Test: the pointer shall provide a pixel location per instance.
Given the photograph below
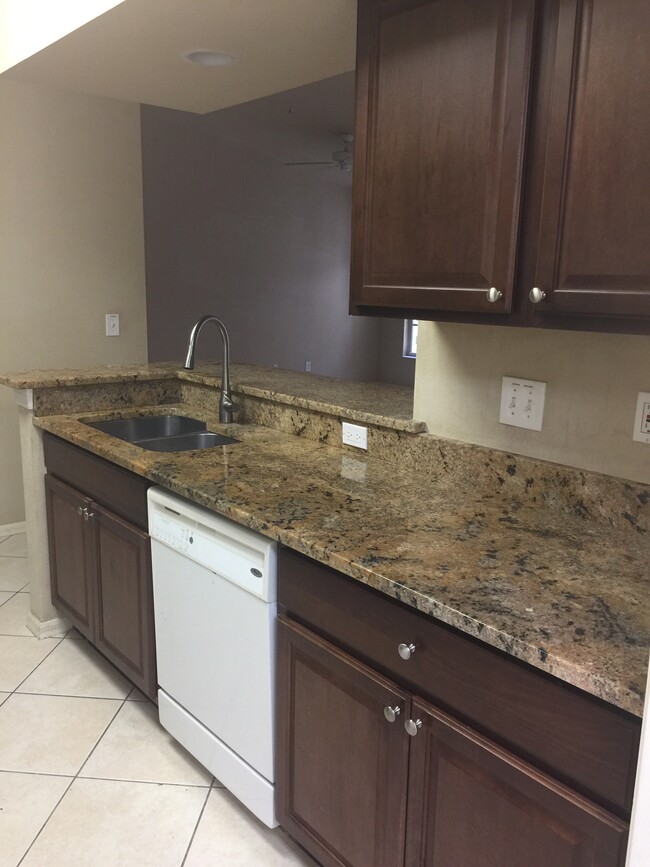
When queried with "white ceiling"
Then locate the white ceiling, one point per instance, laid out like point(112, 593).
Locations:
point(132, 52)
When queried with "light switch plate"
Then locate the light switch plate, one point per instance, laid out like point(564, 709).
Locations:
point(112, 324)
point(642, 418)
point(522, 402)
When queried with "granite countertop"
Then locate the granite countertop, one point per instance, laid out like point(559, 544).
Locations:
point(567, 595)
point(370, 402)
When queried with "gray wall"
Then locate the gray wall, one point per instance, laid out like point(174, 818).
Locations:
point(232, 231)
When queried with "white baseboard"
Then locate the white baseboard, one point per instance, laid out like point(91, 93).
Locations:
point(55, 628)
point(12, 529)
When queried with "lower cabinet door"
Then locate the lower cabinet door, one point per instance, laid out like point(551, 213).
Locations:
point(472, 803)
point(70, 544)
point(124, 619)
point(342, 766)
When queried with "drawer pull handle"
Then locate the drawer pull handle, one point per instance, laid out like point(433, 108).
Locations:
point(536, 295)
point(88, 515)
point(412, 726)
point(391, 713)
point(494, 295)
point(406, 650)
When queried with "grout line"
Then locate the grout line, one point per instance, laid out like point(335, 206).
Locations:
point(36, 773)
point(144, 782)
point(13, 593)
point(101, 737)
point(70, 695)
point(58, 641)
point(40, 830)
point(196, 827)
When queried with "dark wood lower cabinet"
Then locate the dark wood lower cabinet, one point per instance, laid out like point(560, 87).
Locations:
point(358, 790)
point(472, 803)
point(71, 556)
point(124, 629)
point(342, 767)
point(100, 566)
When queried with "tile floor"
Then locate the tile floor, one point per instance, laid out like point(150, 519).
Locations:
point(87, 775)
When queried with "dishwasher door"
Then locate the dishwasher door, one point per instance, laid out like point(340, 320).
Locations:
point(215, 648)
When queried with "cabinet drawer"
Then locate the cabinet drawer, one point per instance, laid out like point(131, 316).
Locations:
point(110, 485)
point(581, 740)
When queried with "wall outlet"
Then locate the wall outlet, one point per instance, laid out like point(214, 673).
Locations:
point(308, 366)
point(522, 402)
point(355, 435)
point(112, 324)
point(642, 418)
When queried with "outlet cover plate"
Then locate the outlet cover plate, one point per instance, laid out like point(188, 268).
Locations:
point(642, 418)
point(112, 324)
point(522, 402)
point(355, 435)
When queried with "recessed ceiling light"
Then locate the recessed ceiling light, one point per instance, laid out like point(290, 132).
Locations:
point(207, 57)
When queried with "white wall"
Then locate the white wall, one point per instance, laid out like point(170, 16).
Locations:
point(28, 26)
point(71, 243)
point(593, 380)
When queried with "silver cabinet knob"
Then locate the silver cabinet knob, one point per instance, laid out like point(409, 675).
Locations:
point(536, 295)
point(88, 515)
point(391, 713)
point(406, 650)
point(493, 295)
point(80, 511)
point(412, 726)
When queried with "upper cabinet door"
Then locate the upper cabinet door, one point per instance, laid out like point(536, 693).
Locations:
point(442, 96)
point(593, 249)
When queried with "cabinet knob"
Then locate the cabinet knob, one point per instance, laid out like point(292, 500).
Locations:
point(412, 726)
point(536, 295)
point(493, 295)
point(88, 515)
point(391, 713)
point(406, 650)
point(80, 511)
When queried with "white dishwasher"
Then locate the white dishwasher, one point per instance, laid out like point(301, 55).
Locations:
point(214, 585)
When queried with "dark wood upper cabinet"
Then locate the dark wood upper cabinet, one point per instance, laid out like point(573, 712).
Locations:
point(470, 803)
point(503, 144)
point(442, 96)
point(593, 255)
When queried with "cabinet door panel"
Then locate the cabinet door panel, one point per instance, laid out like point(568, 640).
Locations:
point(125, 631)
point(341, 766)
point(471, 802)
point(593, 252)
point(442, 99)
point(70, 546)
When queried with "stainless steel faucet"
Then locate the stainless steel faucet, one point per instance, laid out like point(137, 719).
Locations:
point(226, 405)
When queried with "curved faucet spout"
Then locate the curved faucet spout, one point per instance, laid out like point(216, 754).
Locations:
point(226, 405)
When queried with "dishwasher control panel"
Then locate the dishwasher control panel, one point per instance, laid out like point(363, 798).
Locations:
point(171, 532)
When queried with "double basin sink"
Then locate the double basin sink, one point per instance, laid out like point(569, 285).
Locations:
point(163, 433)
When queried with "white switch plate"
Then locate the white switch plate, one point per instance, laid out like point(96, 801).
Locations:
point(642, 419)
point(308, 366)
point(522, 402)
point(355, 435)
point(112, 324)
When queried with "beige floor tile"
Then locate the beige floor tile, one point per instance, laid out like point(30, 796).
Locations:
point(76, 668)
point(14, 574)
point(4, 696)
point(26, 801)
point(106, 823)
point(19, 656)
point(14, 546)
point(5, 595)
point(230, 836)
point(51, 734)
point(136, 747)
point(13, 615)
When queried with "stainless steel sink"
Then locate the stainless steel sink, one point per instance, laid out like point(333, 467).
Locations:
point(163, 433)
point(148, 427)
point(187, 442)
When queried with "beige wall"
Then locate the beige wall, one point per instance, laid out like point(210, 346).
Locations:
point(71, 243)
point(593, 380)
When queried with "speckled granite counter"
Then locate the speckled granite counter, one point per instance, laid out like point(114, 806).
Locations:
point(566, 593)
point(373, 403)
